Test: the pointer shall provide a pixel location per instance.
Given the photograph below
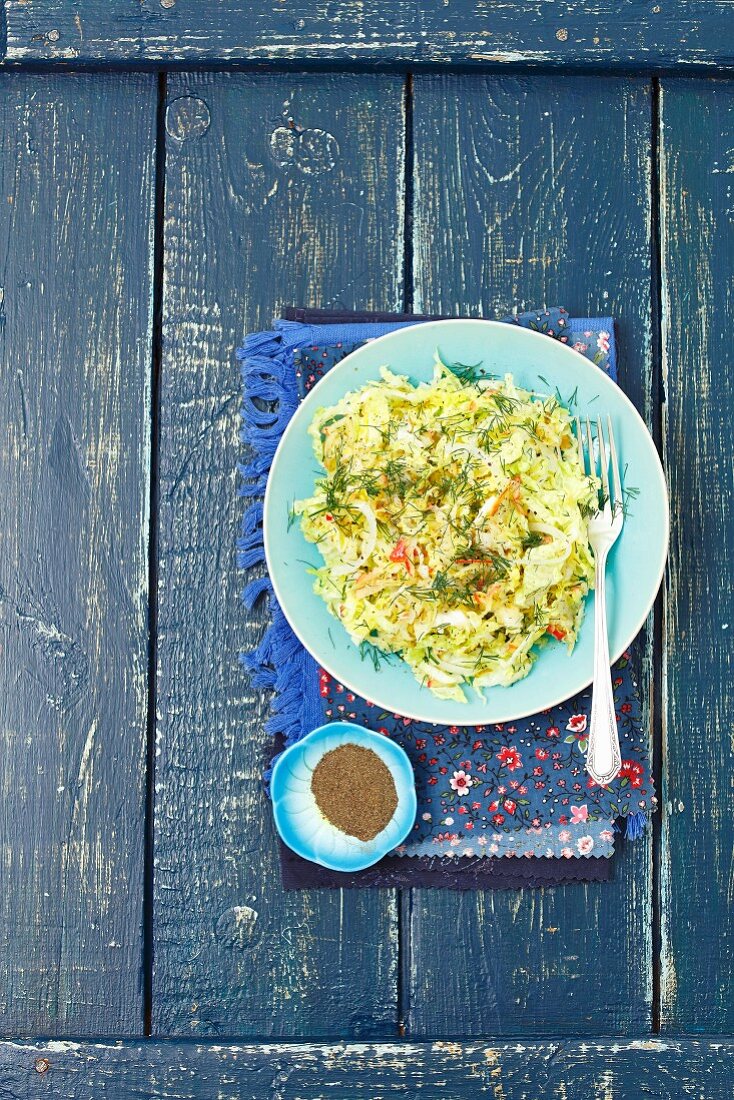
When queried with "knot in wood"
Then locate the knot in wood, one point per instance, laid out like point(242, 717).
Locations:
point(237, 928)
point(187, 117)
point(313, 152)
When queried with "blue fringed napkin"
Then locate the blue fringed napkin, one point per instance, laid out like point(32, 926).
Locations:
point(484, 793)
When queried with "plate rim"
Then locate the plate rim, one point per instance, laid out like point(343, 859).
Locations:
point(310, 400)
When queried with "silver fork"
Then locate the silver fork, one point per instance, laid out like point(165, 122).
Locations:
point(603, 758)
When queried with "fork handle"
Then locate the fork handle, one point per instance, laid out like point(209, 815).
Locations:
point(604, 757)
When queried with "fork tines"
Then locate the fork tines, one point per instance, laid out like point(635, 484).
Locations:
point(606, 460)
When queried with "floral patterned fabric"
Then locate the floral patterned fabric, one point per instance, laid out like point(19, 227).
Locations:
point(515, 789)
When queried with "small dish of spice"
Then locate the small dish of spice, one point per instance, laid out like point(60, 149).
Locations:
point(343, 796)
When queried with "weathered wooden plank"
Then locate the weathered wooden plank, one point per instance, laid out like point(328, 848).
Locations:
point(279, 188)
point(551, 1070)
point(538, 192)
point(76, 232)
point(636, 33)
point(697, 221)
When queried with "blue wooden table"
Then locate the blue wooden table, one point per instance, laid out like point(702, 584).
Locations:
point(172, 172)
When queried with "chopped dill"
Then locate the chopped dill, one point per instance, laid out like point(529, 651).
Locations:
point(533, 538)
point(369, 651)
point(629, 494)
point(468, 373)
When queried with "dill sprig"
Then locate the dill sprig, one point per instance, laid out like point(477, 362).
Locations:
point(532, 539)
point(368, 651)
point(468, 373)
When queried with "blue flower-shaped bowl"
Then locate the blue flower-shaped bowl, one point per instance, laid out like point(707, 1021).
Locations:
point(301, 824)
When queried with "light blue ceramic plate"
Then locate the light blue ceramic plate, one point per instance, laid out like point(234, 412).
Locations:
point(300, 822)
point(635, 566)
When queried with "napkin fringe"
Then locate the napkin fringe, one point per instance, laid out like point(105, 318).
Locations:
point(270, 399)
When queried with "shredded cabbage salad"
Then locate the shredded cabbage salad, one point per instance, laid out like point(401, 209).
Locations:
point(452, 521)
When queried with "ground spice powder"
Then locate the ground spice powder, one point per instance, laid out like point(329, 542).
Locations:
point(354, 791)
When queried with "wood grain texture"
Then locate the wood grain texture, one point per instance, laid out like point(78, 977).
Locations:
point(551, 1070)
point(76, 231)
point(538, 191)
point(635, 33)
point(279, 189)
point(697, 201)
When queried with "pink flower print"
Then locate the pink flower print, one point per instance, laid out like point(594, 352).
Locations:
point(439, 739)
point(541, 754)
point(476, 805)
point(482, 840)
point(564, 835)
point(494, 848)
point(468, 851)
point(537, 771)
point(465, 764)
point(477, 745)
point(463, 810)
point(522, 789)
point(420, 742)
point(468, 824)
point(553, 731)
point(567, 853)
point(461, 783)
point(350, 698)
point(502, 790)
point(512, 729)
point(383, 731)
point(536, 822)
point(514, 784)
point(577, 723)
point(340, 687)
point(341, 708)
point(453, 730)
point(509, 805)
point(455, 841)
point(580, 346)
point(579, 814)
point(585, 844)
point(606, 834)
point(602, 342)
